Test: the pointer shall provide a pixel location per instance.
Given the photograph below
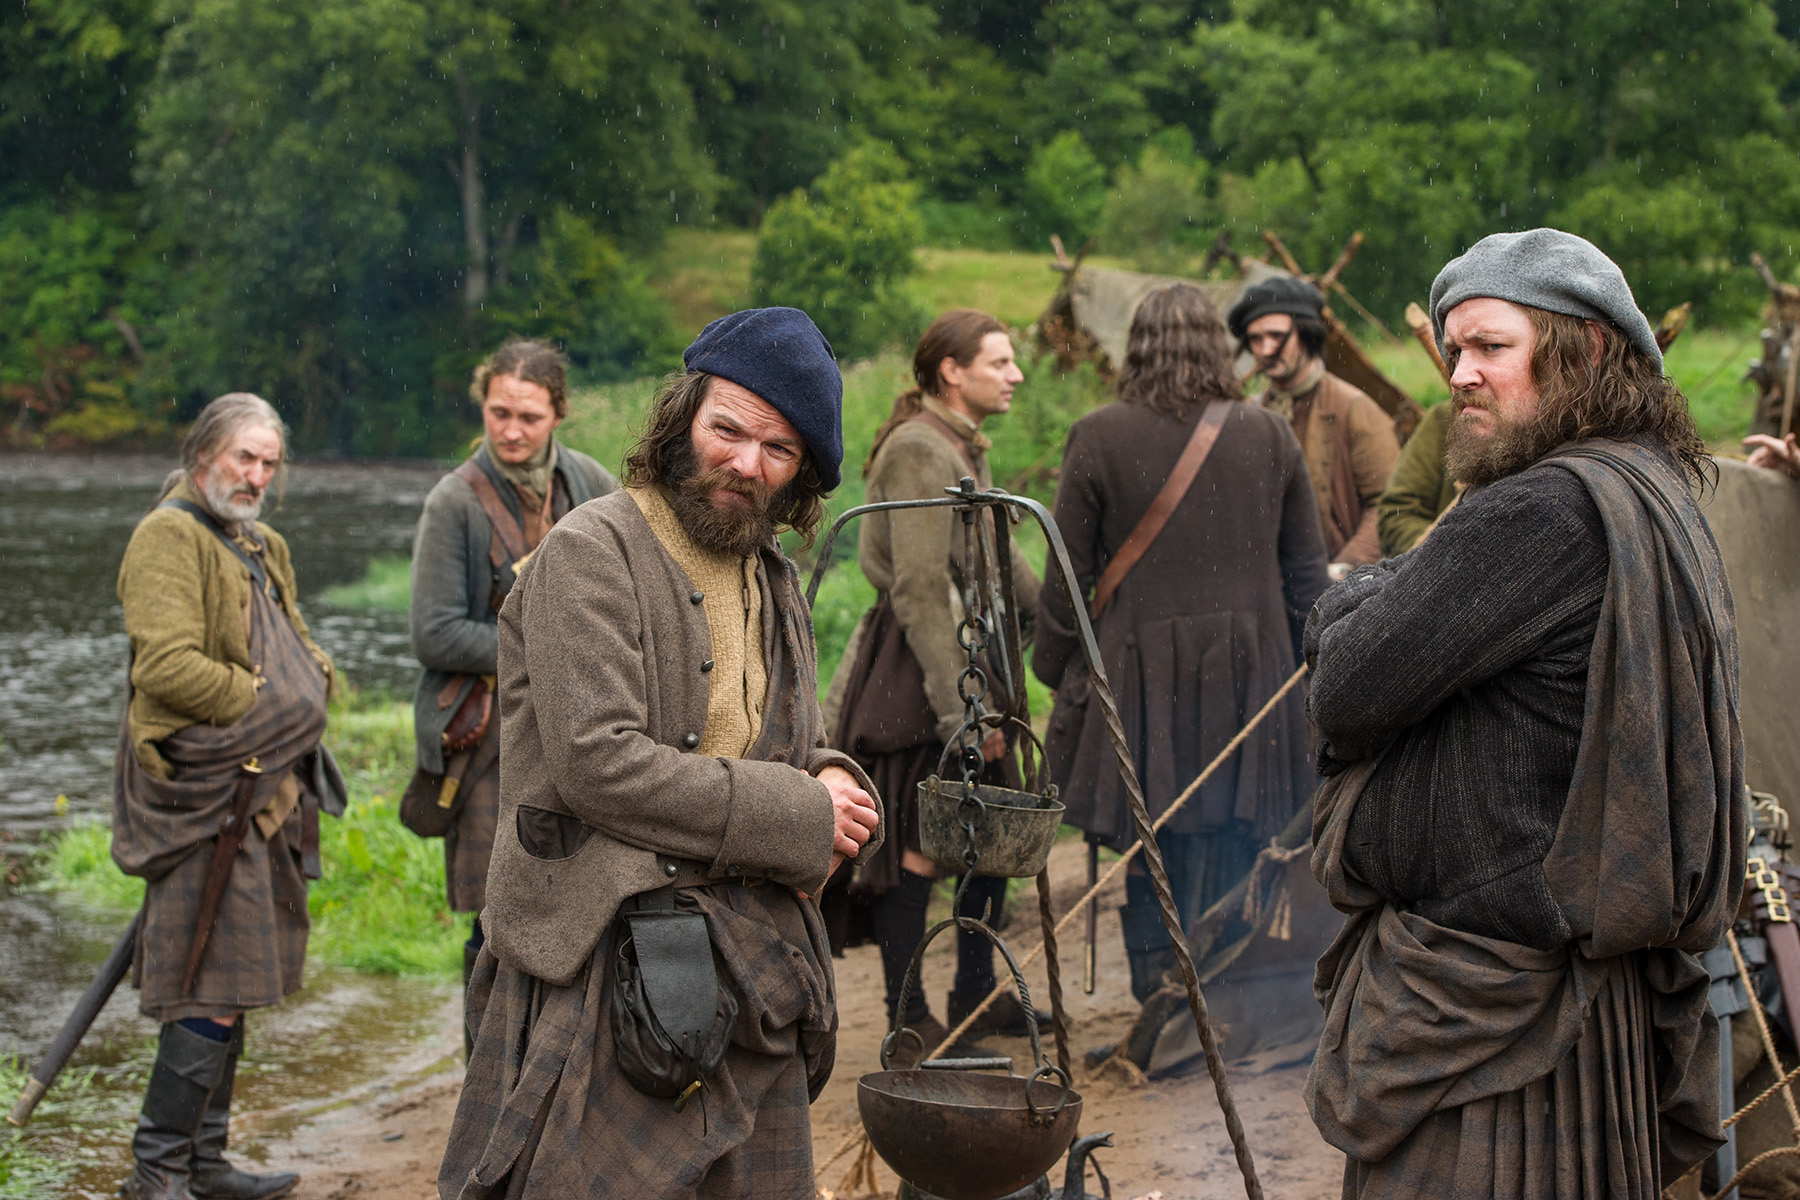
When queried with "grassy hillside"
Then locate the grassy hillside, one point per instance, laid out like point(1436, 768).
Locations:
point(706, 273)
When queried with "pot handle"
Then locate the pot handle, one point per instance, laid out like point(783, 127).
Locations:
point(1038, 1116)
point(892, 1040)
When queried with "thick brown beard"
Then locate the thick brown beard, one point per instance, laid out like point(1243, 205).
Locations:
point(1511, 448)
point(739, 533)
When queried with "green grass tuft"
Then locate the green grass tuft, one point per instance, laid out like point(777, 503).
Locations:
point(385, 587)
point(380, 906)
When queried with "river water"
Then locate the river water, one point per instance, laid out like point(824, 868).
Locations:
point(64, 524)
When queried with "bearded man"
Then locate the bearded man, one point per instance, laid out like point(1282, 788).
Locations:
point(1534, 816)
point(1349, 442)
point(481, 522)
point(218, 785)
point(654, 1003)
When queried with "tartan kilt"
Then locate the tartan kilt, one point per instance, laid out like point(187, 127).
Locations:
point(257, 949)
point(1586, 1131)
point(545, 1113)
point(469, 842)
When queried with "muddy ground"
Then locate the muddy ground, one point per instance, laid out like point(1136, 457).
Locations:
point(1169, 1135)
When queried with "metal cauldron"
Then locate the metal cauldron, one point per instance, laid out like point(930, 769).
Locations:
point(1013, 830)
point(956, 1134)
point(964, 1136)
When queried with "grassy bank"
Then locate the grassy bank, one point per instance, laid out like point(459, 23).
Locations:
point(380, 906)
point(386, 586)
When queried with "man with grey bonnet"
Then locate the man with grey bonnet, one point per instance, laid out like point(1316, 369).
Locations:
point(1529, 725)
point(218, 785)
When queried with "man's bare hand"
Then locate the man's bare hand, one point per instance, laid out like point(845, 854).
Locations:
point(993, 746)
point(856, 818)
point(1772, 455)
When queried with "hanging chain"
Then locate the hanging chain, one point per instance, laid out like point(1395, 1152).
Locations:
point(974, 635)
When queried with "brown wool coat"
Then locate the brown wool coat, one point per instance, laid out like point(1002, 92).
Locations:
point(187, 612)
point(1203, 630)
point(605, 661)
point(1350, 454)
point(913, 556)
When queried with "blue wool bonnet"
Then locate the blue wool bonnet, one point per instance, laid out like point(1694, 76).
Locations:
point(779, 354)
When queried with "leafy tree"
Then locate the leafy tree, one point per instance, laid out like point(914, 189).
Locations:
point(841, 251)
point(351, 179)
point(1064, 192)
point(72, 74)
point(778, 85)
point(1156, 211)
point(575, 287)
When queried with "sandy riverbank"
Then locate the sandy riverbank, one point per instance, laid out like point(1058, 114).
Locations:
point(1169, 1135)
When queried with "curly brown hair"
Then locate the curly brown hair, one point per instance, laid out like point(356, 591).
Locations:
point(663, 452)
point(1178, 354)
point(530, 360)
point(1623, 394)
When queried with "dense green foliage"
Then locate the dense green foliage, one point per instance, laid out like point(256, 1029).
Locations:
point(343, 204)
point(841, 251)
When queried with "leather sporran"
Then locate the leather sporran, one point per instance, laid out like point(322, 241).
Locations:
point(420, 811)
point(663, 977)
point(469, 723)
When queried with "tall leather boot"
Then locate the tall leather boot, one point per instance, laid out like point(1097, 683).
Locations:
point(188, 1067)
point(212, 1175)
point(1147, 947)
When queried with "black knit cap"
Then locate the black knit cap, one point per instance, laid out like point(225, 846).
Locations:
point(779, 354)
point(1280, 294)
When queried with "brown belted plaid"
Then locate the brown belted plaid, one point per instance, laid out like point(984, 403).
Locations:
point(164, 831)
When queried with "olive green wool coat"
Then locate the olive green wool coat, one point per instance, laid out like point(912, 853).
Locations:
point(1420, 488)
point(187, 613)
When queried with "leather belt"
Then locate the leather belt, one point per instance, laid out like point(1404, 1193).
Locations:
point(687, 872)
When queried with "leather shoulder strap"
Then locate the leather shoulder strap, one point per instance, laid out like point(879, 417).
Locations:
point(508, 543)
point(942, 426)
point(257, 570)
point(1187, 467)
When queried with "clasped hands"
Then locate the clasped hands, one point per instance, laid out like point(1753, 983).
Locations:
point(855, 817)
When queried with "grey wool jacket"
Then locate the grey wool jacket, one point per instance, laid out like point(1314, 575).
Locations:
point(453, 583)
point(605, 672)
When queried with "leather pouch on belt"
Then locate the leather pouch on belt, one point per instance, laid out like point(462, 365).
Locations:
point(671, 1019)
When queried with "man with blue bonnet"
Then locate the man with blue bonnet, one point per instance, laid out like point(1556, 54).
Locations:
point(654, 1007)
point(1534, 813)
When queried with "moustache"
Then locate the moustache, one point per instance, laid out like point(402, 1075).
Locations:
point(702, 484)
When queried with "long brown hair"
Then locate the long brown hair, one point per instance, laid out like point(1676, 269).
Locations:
point(958, 335)
point(1178, 353)
point(1624, 394)
point(800, 504)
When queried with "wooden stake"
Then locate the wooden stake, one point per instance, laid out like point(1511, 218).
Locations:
point(1420, 324)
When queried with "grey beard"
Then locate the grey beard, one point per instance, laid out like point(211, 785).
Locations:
point(1512, 448)
point(218, 498)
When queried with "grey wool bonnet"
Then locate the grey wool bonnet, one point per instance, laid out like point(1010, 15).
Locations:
point(1547, 269)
